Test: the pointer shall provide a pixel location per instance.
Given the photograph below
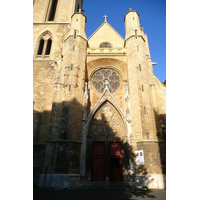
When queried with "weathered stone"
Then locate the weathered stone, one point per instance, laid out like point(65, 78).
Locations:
point(100, 89)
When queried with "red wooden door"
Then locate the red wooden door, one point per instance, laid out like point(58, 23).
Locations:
point(98, 162)
point(115, 162)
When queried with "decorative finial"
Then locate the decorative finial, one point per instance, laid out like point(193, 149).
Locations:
point(130, 9)
point(105, 18)
point(86, 90)
point(126, 91)
point(106, 83)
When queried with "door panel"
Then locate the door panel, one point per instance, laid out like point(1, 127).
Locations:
point(98, 169)
point(98, 162)
point(115, 162)
point(115, 169)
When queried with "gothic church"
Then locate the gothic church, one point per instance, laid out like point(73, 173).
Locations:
point(99, 113)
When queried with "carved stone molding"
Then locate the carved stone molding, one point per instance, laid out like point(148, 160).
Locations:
point(107, 123)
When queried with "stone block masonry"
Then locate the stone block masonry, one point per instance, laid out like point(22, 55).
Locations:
point(89, 92)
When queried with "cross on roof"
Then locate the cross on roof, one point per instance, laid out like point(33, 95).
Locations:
point(105, 18)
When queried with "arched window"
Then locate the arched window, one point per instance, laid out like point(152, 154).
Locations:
point(41, 45)
point(48, 48)
point(44, 45)
point(105, 45)
point(52, 10)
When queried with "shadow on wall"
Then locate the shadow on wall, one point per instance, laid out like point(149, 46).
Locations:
point(57, 143)
point(55, 149)
point(161, 135)
point(161, 130)
point(39, 194)
point(108, 131)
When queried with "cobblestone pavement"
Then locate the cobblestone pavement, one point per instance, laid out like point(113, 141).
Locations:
point(137, 194)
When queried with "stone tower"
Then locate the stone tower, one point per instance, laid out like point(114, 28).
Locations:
point(58, 73)
point(145, 92)
point(98, 110)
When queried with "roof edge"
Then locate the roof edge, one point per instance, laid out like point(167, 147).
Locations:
point(130, 10)
point(110, 26)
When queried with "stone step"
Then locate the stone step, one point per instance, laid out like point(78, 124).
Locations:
point(102, 185)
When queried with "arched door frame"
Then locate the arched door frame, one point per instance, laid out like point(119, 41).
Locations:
point(89, 142)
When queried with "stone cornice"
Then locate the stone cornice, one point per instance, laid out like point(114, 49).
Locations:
point(105, 54)
point(131, 37)
point(76, 36)
point(106, 51)
point(48, 23)
point(81, 14)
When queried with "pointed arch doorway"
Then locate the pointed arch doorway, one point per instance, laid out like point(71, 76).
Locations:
point(105, 143)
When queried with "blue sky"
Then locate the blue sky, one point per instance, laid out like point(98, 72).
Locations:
point(152, 16)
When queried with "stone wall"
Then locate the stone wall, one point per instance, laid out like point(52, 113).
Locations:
point(59, 100)
point(64, 10)
point(152, 158)
point(43, 87)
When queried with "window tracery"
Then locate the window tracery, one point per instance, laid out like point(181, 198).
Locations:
point(113, 78)
point(44, 45)
point(107, 122)
point(105, 45)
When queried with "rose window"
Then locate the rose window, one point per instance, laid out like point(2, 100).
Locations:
point(102, 75)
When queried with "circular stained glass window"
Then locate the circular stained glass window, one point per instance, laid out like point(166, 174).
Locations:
point(98, 80)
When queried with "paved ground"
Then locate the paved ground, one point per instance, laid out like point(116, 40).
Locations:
point(137, 194)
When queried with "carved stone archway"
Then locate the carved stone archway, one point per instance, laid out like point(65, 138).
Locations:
point(106, 129)
point(107, 124)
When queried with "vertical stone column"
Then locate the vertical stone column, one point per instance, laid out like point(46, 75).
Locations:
point(83, 149)
point(131, 44)
point(84, 133)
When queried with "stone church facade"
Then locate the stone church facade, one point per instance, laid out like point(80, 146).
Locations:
point(99, 113)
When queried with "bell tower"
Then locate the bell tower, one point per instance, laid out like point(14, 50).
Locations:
point(59, 57)
point(146, 122)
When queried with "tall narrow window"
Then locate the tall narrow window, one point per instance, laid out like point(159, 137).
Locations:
point(164, 133)
point(69, 88)
point(78, 8)
point(136, 33)
point(74, 34)
point(40, 49)
point(71, 67)
point(142, 88)
point(145, 110)
point(52, 10)
point(137, 48)
point(139, 67)
point(48, 49)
